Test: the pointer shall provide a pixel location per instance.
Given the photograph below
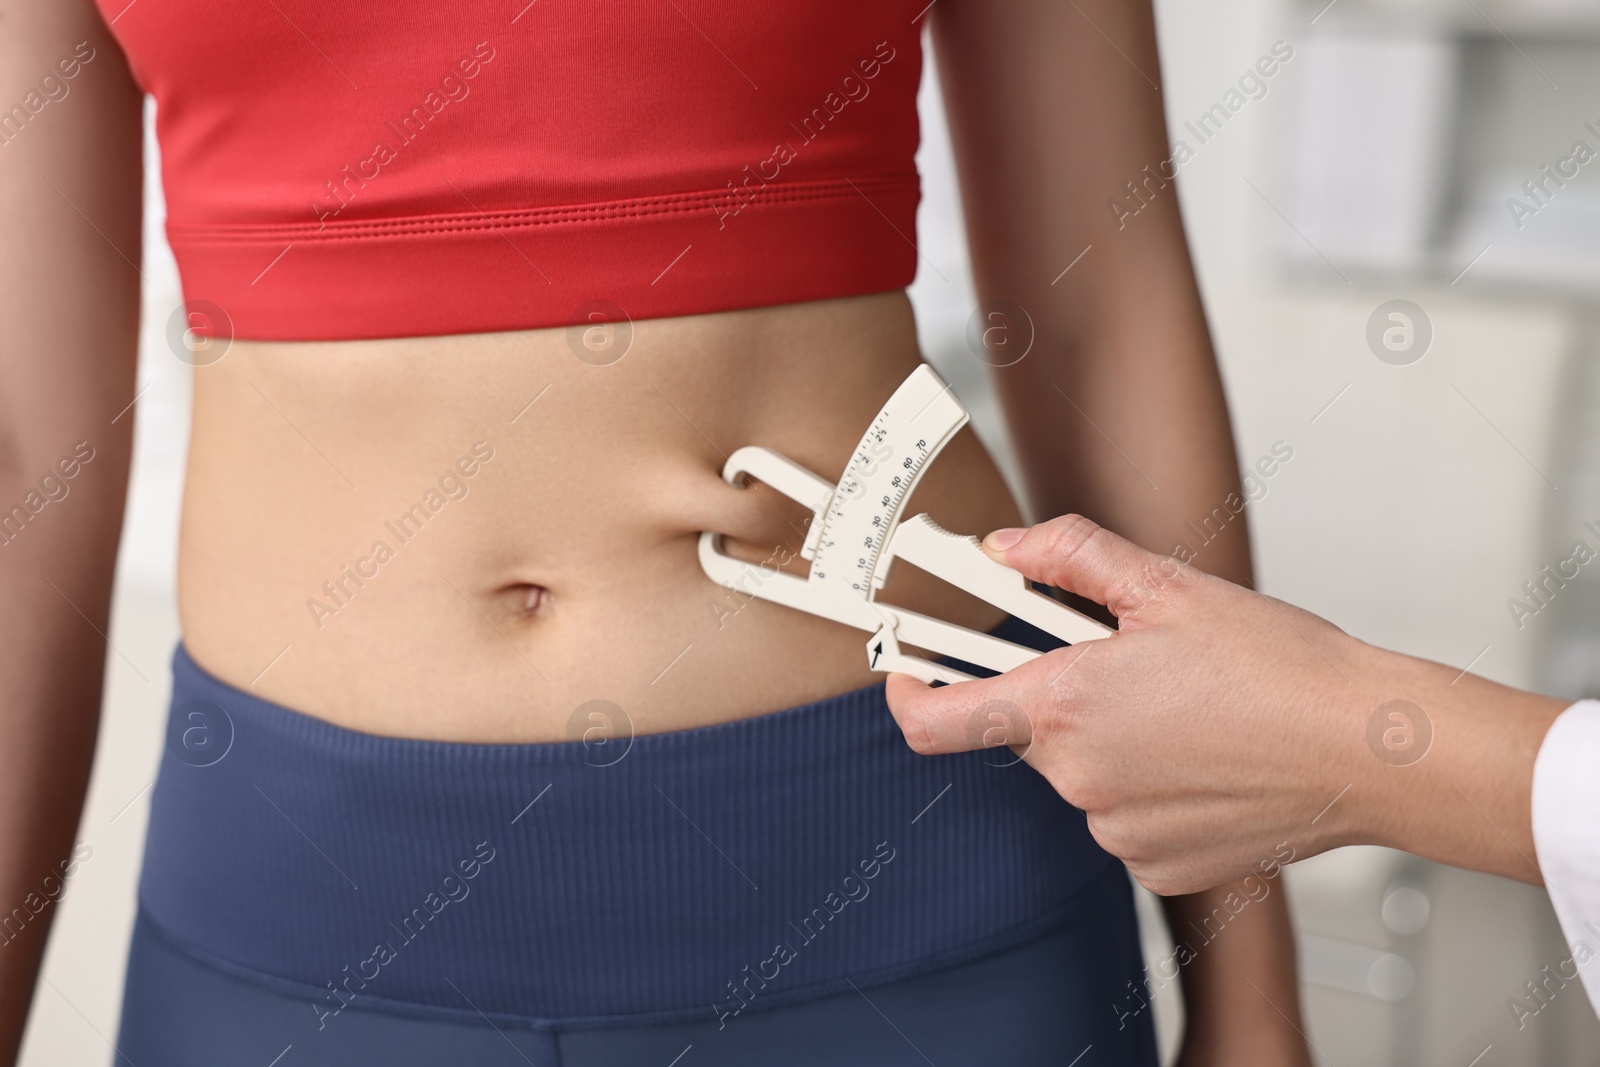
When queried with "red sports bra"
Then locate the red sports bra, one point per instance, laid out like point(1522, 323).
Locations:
point(362, 170)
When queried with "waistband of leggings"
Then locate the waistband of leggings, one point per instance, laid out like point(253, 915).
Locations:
point(616, 878)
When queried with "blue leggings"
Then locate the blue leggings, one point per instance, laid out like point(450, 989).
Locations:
point(793, 888)
point(1051, 1001)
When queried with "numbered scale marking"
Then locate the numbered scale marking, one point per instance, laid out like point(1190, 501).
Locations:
point(917, 422)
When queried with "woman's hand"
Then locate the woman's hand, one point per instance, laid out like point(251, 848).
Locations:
point(1220, 730)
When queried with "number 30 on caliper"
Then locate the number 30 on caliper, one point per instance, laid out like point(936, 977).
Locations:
point(856, 534)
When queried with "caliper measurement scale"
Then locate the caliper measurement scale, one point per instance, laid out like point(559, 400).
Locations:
point(913, 427)
point(856, 535)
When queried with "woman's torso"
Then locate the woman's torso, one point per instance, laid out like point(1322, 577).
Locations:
point(364, 520)
point(414, 202)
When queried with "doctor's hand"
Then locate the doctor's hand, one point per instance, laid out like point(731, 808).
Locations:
point(1221, 732)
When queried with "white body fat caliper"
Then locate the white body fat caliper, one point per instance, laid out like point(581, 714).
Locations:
point(856, 534)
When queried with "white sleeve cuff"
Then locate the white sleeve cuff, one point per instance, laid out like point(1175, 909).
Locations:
point(1566, 833)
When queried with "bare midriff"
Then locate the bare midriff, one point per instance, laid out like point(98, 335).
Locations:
point(470, 538)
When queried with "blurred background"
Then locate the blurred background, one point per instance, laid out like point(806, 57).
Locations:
point(1446, 448)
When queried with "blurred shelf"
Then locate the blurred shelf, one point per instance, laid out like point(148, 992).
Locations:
point(1556, 23)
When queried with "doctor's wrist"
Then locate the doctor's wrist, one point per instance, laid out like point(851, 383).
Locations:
point(1444, 765)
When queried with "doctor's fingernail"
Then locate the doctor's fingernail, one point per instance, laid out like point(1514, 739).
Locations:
point(1001, 540)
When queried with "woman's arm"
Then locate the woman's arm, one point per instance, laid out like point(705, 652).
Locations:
point(1117, 411)
point(70, 196)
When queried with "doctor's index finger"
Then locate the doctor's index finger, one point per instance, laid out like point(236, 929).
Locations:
point(1078, 555)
